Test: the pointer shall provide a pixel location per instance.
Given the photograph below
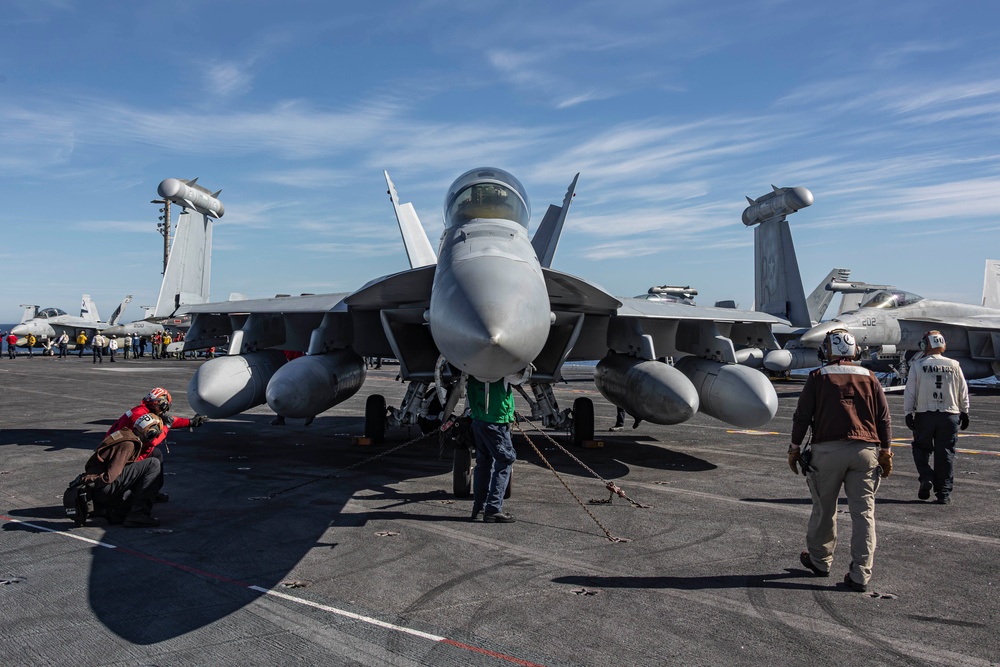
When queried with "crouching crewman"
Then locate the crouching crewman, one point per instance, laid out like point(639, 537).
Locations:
point(122, 488)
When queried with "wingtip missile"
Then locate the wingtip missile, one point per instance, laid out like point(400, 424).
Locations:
point(776, 205)
point(191, 196)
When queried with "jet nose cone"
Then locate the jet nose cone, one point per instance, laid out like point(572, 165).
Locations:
point(490, 316)
point(815, 336)
point(20, 330)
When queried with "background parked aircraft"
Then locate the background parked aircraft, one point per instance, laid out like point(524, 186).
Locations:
point(893, 321)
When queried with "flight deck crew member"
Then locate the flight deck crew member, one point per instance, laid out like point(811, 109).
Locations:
point(492, 407)
point(63, 341)
point(81, 342)
point(112, 348)
point(97, 347)
point(156, 402)
point(31, 340)
point(936, 403)
point(124, 486)
point(851, 433)
point(126, 346)
point(11, 346)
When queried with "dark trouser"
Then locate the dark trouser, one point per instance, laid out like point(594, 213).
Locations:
point(63, 349)
point(135, 488)
point(494, 457)
point(98, 354)
point(11, 351)
point(81, 350)
point(936, 433)
point(111, 353)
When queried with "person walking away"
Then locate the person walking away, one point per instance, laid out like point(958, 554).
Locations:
point(112, 348)
point(11, 346)
point(846, 408)
point(63, 342)
point(492, 408)
point(97, 347)
point(81, 343)
point(936, 403)
point(126, 346)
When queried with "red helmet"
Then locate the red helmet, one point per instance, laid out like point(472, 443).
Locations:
point(158, 400)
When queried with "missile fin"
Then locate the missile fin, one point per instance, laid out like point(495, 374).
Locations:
point(217, 193)
point(750, 201)
point(195, 180)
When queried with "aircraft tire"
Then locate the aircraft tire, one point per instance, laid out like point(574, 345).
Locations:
point(583, 421)
point(375, 418)
point(462, 472)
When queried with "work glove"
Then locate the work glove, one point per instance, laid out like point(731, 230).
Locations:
point(795, 460)
point(910, 422)
point(885, 461)
point(963, 420)
point(198, 420)
point(167, 420)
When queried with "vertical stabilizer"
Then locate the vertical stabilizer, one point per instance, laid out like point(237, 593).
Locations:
point(88, 309)
point(821, 298)
point(186, 280)
point(115, 316)
point(418, 248)
point(30, 312)
point(546, 238)
point(778, 285)
point(991, 284)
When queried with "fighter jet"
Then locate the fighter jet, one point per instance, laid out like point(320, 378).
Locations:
point(893, 321)
point(486, 304)
point(53, 322)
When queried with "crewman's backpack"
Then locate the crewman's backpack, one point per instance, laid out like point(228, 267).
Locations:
point(78, 501)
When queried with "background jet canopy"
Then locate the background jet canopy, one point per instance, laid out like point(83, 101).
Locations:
point(891, 299)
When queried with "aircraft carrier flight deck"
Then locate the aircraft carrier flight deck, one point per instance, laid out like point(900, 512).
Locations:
point(295, 545)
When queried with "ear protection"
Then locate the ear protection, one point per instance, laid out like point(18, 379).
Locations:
point(931, 340)
point(840, 344)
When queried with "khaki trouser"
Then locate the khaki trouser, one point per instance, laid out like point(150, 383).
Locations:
point(853, 465)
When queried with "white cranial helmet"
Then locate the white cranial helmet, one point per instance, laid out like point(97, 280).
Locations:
point(840, 344)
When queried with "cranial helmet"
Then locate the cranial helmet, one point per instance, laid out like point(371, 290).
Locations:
point(148, 426)
point(840, 344)
point(158, 400)
point(932, 340)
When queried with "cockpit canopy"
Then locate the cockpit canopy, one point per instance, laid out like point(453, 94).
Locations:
point(486, 193)
point(46, 313)
point(891, 299)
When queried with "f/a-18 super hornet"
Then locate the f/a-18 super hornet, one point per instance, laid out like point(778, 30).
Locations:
point(53, 322)
point(892, 322)
point(486, 304)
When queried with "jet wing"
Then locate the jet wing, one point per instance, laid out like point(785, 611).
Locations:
point(309, 323)
point(315, 303)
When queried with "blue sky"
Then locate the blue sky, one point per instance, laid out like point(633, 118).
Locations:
point(671, 111)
